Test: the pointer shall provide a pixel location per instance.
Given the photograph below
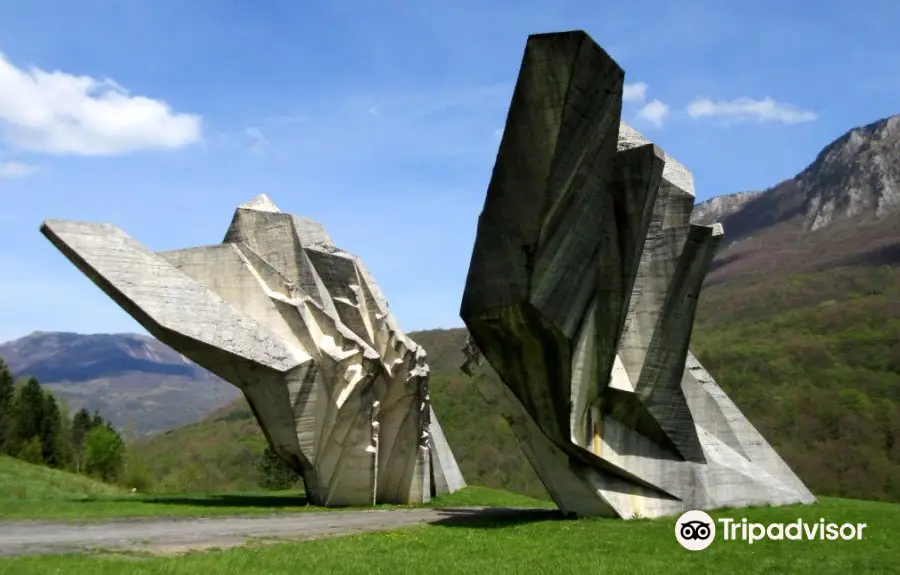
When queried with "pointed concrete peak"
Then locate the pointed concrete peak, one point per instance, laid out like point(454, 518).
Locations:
point(260, 203)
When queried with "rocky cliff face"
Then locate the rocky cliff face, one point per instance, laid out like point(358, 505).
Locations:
point(720, 207)
point(856, 177)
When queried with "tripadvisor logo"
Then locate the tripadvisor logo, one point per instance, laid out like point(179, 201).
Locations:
point(696, 530)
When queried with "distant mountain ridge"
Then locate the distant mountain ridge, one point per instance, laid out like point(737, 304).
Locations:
point(51, 356)
point(135, 381)
point(717, 208)
point(856, 177)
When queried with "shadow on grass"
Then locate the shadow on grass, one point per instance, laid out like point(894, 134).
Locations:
point(492, 517)
point(223, 500)
point(474, 517)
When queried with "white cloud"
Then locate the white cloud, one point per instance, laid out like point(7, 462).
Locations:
point(258, 139)
point(654, 112)
point(742, 109)
point(16, 170)
point(58, 113)
point(634, 92)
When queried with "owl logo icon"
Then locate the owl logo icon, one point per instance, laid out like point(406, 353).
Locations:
point(695, 530)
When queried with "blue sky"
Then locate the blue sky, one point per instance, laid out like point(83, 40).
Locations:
point(379, 118)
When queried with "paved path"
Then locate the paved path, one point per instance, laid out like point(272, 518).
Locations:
point(174, 535)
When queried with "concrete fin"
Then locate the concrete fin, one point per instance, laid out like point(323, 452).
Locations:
point(706, 413)
point(225, 271)
point(648, 291)
point(752, 442)
point(160, 296)
point(510, 222)
point(659, 385)
point(637, 177)
point(577, 207)
point(311, 232)
point(550, 462)
point(447, 476)
point(260, 203)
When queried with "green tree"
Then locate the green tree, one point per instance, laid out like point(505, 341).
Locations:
point(137, 473)
point(31, 451)
point(28, 415)
point(64, 441)
point(81, 426)
point(104, 453)
point(275, 473)
point(51, 425)
point(7, 396)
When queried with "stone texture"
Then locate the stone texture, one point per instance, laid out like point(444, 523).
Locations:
point(302, 329)
point(581, 295)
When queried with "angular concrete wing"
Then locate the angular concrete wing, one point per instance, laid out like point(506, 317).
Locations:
point(303, 330)
point(581, 295)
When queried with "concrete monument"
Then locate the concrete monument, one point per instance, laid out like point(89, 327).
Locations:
point(581, 296)
point(301, 327)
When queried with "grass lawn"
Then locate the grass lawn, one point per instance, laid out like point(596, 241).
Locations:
point(34, 492)
point(495, 546)
point(82, 509)
point(547, 546)
point(21, 481)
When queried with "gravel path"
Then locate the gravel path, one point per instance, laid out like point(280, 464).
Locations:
point(175, 535)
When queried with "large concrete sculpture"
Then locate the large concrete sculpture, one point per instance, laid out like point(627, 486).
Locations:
point(581, 295)
point(303, 330)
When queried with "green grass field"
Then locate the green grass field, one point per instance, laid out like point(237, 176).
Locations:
point(523, 544)
point(98, 508)
point(21, 481)
point(34, 492)
point(546, 546)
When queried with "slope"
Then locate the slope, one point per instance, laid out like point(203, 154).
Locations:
point(21, 481)
point(138, 383)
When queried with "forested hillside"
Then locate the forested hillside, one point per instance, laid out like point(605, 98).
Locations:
point(36, 427)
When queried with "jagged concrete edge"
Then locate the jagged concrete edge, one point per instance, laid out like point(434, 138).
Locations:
point(90, 259)
point(445, 470)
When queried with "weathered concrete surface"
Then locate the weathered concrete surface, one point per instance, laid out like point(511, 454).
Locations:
point(180, 535)
point(301, 327)
point(581, 295)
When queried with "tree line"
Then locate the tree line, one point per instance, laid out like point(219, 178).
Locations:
point(36, 427)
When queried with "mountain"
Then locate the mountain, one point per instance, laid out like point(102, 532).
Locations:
point(842, 210)
point(718, 208)
point(138, 383)
point(855, 177)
